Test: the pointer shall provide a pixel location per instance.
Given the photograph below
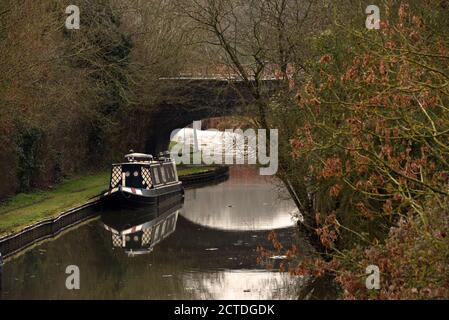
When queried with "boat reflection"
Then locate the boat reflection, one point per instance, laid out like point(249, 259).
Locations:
point(137, 232)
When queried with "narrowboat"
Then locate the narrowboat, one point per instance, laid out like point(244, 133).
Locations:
point(144, 180)
point(138, 232)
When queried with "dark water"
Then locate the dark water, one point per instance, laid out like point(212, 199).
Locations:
point(210, 255)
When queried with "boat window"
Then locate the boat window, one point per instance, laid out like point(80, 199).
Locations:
point(164, 228)
point(146, 238)
point(173, 170)
point(163, 175)
point(169, 170)
point(116, 240)
point(167, 174)
point(171, 224)
point(116, 176)
point(157, 180)
point(157, 234)
point(146, 178)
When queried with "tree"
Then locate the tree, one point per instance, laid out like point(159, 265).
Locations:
point(253, 40)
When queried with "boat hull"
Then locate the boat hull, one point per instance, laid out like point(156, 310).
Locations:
point(124, 196)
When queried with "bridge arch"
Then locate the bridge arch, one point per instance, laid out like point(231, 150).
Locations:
point(187, 100)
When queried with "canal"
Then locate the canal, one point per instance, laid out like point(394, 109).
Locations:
point(209, 254)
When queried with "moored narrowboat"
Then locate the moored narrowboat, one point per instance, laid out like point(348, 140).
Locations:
point(143, 179)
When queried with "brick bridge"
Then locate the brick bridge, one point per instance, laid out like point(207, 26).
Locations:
point(185, 100)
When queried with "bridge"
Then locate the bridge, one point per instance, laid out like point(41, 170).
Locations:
point(184, 100)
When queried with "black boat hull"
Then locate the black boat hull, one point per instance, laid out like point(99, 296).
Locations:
point(131, 197)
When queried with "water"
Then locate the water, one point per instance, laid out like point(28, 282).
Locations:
point(209, 254)
point(216, 142)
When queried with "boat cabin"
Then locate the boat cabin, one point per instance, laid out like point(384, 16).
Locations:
point(143, 171)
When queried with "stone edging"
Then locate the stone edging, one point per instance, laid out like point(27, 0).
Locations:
point(198, 179)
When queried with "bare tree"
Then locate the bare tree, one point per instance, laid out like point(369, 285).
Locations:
point(255, 40)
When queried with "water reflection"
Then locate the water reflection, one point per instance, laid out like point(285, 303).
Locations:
point(248, 202)
point(138, 231)
point(214, 258)
point(241, 285)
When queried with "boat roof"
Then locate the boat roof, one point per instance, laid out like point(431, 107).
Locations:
point(139, 156)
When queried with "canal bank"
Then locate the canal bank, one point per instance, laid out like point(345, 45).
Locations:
point(212, 253)
point(22, 238)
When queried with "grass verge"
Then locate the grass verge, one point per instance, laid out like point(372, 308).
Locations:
point(26, 209)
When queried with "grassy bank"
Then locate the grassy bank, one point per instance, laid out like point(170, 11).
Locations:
point(28, 208)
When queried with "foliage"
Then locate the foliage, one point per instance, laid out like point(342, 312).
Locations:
point(69, 100)
point(375, 131)
point(28, 145)
point(371, 141)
